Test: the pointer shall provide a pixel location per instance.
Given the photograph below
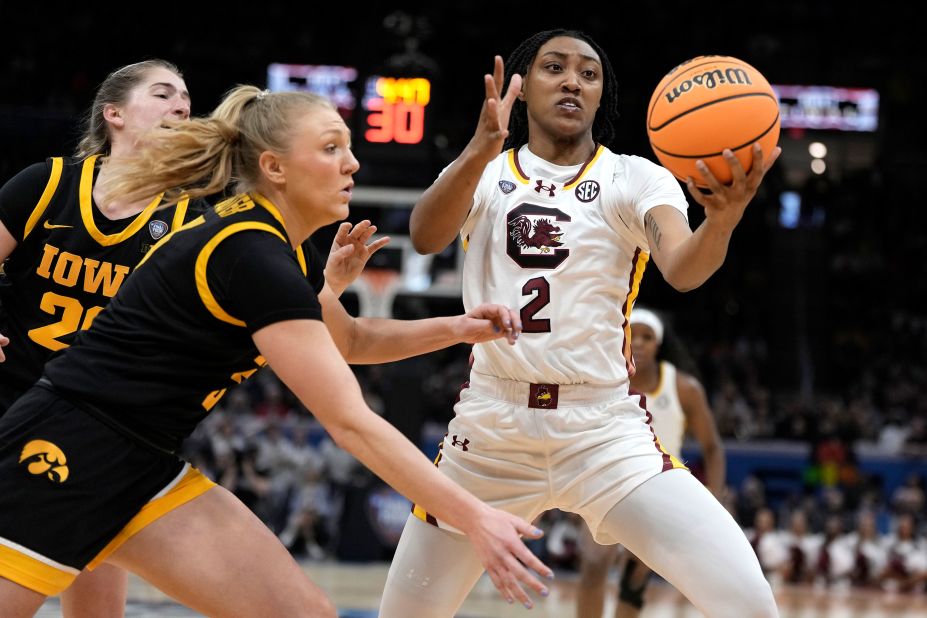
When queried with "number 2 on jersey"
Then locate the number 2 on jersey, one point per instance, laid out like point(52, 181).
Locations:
point(70, 322)
point(530, 324)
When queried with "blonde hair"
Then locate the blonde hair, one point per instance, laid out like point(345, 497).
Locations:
point(114, 90)
point(202, 156)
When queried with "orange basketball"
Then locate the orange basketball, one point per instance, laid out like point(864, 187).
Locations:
point(705, 105)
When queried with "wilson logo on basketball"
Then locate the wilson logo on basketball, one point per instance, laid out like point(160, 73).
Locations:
point(42, 457)
point(710, 79)
point(587, 191)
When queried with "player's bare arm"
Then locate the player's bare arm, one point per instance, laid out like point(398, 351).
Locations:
point(441, 211)
point(701, 424)
point(687, 259)
point(378, 340)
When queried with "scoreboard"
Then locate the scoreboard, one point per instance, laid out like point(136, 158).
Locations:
point(389, 117)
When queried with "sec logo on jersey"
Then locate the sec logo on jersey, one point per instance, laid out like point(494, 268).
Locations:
point(587, 191)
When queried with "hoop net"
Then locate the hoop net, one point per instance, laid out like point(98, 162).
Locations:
point(376, 290)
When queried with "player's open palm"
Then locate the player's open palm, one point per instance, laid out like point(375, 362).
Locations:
point(725, 205)
point(495, 536)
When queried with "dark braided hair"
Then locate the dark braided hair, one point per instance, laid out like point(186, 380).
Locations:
point(603, 128)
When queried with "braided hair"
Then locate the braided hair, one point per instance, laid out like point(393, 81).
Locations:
point(519, 61)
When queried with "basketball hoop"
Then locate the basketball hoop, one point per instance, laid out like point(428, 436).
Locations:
point(376, 289)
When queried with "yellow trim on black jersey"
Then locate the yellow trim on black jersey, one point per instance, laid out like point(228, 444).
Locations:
point(586, 167)
point(192, 485)
point(202, 285)
point(86, 209)
point(193, 223)
point(35, 574)
point(50, 187)
point(516, 171)
point(272, 209)
point(180, 213)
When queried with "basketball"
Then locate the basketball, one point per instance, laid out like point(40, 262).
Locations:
point(705, 105)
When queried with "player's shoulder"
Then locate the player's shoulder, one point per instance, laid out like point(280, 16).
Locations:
point(688, 384)
point(633, 167)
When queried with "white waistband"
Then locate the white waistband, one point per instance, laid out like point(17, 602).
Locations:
point(567, 394)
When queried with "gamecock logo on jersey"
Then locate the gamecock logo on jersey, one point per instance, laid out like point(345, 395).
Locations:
point(506, 186)
point(534, 238)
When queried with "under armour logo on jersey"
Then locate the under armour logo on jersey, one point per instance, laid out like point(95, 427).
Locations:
point(157, 228)
point(43, 457)
point(506, 186)
point(462, 444)
point(542, 187)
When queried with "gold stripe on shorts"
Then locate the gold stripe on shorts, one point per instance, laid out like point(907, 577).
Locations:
point(192, 485)
point(33, 573)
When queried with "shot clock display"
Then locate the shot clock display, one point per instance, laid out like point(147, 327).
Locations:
point(389, 118)
point(395, 109)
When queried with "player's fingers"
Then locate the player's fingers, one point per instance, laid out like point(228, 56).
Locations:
point(498, 582)
point(492, 93)
point(514, 89)
point(359, 230)
point(368, 232)
point(341, 236)
point(697, 195)
point(377, 245)
point(773, 157)
point(498, 72)
point(515, 574)
point(738, 174)
point(708, 177)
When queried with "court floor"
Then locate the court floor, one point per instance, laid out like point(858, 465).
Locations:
point(356, 590)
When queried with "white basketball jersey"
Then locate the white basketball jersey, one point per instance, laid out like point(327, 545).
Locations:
point(669, 420)
point(566, 246)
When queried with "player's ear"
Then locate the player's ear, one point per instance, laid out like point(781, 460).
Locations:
point(271, 168)
point(113, 115)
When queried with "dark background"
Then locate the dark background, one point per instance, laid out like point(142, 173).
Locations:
point(835, 306)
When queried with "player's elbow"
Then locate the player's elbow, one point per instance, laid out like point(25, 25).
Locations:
point(424, 241)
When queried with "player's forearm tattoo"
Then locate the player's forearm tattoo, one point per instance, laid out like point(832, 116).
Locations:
point(653, 230)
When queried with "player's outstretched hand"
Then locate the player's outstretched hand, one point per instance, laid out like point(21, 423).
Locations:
point(492, 128)
point(495, 537)
point(349, 254)
point(725, 205)
point(487, 322)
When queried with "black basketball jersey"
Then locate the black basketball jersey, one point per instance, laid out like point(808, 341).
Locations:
point(69, 261)
point(178, 334)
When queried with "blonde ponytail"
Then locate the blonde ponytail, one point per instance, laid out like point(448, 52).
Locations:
point(202, 156)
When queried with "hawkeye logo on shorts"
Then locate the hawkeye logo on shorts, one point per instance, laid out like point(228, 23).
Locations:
point(157, 228)
point(43, 457)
